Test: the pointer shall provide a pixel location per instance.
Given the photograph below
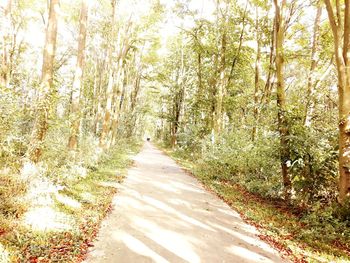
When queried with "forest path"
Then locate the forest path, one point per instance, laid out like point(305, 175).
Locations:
point(161, 214)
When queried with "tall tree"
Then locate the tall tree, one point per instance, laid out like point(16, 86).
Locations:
point(257, 73)
point(178, 96)
point(111, 80)
point(46, 85)
point(310, 105)
point(78, 77)
point(5, 72)
point(339, 18)
point(280, 32)
point(119, 83)
point(221, 85)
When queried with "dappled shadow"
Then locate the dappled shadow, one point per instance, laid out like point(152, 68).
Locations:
point(163, 215)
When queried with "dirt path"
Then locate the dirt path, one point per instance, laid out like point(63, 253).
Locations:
point(161, 214)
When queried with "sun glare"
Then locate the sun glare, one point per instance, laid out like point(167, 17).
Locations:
point(48, 219)
point(4, 255)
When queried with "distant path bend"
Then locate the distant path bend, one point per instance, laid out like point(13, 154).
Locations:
point(161, 214)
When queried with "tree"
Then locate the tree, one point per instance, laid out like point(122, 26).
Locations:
point(78, 77)
point(311, 78)
point(280, 31)
point(257, 74)
point(111, 80)
point(339, 20)
point(46, 85)
point(220, 85)
point(5, 67)
point(119, 86)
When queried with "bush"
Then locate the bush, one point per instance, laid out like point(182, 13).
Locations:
point(64, 165)
point(12, 206)
point(314, 163)
point(235, 158)
point(256, 165)
point(325, 224)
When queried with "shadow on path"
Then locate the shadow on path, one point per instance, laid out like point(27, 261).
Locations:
point(161, 214)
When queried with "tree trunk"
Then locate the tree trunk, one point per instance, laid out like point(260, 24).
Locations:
point(265, 98)
point(310, 103)
point(46, 86)
point(5, 67)
point(218, 113)
point(109, 92)
point(179, 98)
point(220, 66)
point(119, 84)
point(257, 77)
point(78, 78)
point(341, 32)
point(177, 114)
point(199, 93)
point(119, 92)
point(241, 38)
point(135, 92)
point(280, 29)
point(100, 70)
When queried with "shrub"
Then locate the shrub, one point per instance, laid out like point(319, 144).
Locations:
point(235, 158)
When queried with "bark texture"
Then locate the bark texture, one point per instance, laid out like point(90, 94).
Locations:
point(340, 25)
point(280, 30)
point(46, 86)
point(109, 92)
point(310, 103)
point(78, 78)
point(6, 43)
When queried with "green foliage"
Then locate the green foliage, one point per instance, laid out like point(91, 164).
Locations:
point(314, 161)
point(320, 234)
point(325, 224)
point(64, 165)
point(13, 126)
point(235, 158)
point(232, 155)
point(12, 188)
point(94, 193)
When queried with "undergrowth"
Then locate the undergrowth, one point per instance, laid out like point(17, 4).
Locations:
point(72, 215)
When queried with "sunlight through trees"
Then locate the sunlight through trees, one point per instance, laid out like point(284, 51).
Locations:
point(254, 93)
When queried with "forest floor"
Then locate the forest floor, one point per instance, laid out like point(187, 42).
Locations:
point(62, 228)
point(162, 214)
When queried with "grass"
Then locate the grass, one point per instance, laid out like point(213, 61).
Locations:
point(81, 206)
point(298, 236)
point(11, 208)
